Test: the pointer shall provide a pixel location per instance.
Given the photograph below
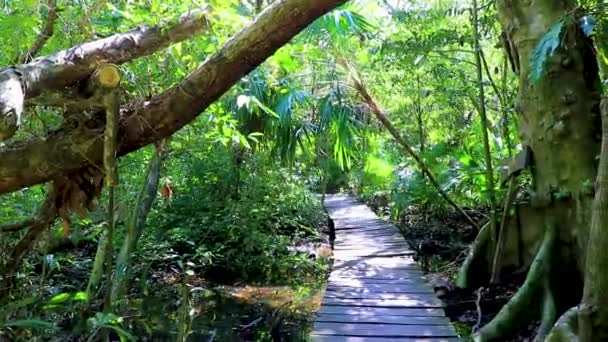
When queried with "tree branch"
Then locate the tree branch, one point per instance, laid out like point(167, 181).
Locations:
point(36, 161)
point(17, 226)
point(381, 116)
point(66, 68)
point(43, 36)
point(45, 217)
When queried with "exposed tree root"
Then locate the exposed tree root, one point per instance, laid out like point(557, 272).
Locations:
point(548, 313)
point(520, 308)
point(565, 328)
point(464, 279)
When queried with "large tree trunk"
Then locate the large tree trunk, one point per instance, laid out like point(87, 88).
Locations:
point(593, 316)
point(68, 149)
point(559, 121)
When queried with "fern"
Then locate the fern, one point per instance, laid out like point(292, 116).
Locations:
point(545, 49)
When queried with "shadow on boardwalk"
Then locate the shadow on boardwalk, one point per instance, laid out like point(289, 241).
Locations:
point(376, 291)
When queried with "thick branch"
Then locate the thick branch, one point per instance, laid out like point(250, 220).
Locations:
point(66, 68)
point(37, 161)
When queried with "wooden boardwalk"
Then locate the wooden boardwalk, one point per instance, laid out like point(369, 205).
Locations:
point(376, 291)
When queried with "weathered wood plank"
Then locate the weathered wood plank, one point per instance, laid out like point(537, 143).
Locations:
point(371, 250)
point(346, 253)
point(397, 262)
point(321, 338)
point(375, 311)
point(384, 319)
point(341, 281)
point(376, 291)
point(376, 236)
point(383, 330)
point(385, 303)
point(387, 296)
point(381, 288)
point(378, 274)
point(362, 226)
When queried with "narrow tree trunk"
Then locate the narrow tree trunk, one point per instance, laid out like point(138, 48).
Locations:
point(419, 114)
point(487, 153)
point(136, 224)
point(112, 105)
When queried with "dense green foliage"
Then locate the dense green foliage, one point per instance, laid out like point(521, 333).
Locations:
point(238, 201)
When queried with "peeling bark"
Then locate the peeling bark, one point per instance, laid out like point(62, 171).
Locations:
point(37, 161)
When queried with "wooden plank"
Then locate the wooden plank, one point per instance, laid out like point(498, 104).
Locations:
point(371, 273)
point(360, 226)
point(372, 248)
point(386, 303)
point(345, 253)
point(341, 281)
point(383, 330)
point(321, 338)
point(376, 291)
point(376, 234)
point(376, 311)
point(371, 269)
point(387, 296)
point(381, 288)
point(371, 237)
point(369, 230)
point(398, 262)
point(385, 319)
point(370, 240)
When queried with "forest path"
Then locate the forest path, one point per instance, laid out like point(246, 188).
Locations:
point(376, 291)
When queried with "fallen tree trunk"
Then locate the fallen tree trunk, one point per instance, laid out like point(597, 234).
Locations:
point(37, 161)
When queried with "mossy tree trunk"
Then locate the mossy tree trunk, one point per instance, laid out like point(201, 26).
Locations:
point(559, 121)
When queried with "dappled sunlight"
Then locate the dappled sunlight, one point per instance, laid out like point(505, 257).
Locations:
point(305, 300)
point(375, 289)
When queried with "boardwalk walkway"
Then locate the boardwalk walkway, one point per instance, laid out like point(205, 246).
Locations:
point(376, 292)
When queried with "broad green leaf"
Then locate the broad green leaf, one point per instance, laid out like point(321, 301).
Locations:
point(29, 324)
point(60, 298)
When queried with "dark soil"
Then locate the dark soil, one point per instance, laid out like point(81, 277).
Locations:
point(440, 240)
